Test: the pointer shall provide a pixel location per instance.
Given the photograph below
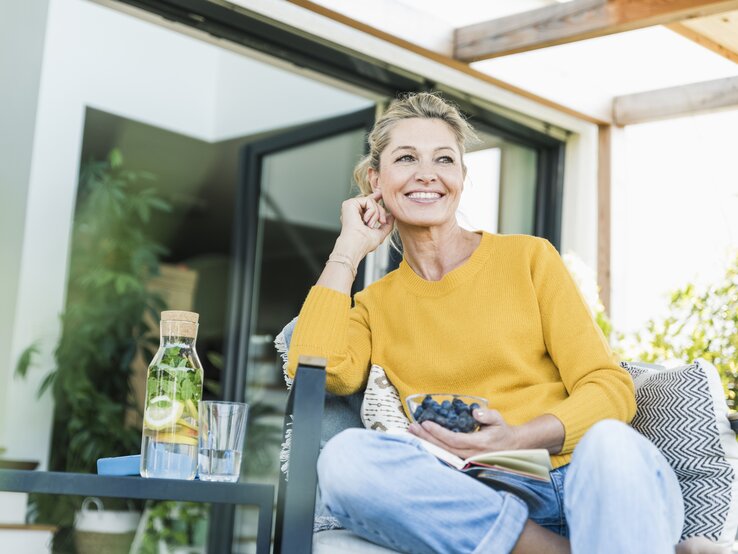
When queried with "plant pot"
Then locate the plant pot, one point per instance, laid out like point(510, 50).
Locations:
point(108, 531)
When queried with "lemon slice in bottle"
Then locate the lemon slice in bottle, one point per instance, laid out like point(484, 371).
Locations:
point(162, 412)
point(176, 438)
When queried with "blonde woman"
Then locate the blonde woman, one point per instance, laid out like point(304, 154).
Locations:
point(486, 315)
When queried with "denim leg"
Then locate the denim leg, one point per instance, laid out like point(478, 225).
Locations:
point(389, 490)
point(621, 495)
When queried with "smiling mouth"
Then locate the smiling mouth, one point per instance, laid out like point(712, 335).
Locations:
point(424, 197)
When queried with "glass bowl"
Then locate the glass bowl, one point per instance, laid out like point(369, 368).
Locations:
point(452, 411)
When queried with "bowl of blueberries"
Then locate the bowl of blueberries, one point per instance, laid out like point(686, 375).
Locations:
point(452, 411)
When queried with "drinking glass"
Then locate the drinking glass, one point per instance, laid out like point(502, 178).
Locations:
point(222, 433)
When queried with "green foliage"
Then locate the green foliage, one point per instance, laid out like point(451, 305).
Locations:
point(103, 327)
point(175, 376)
point(26, 360)
point(174, 524)
point(702, 322)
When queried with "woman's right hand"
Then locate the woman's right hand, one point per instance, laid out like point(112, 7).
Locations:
point(364, 225)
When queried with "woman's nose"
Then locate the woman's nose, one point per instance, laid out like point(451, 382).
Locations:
point(425, 175)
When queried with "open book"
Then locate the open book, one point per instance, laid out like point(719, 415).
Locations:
point(533, 463)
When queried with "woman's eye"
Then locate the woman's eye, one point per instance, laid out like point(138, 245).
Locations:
point(405, 158)
point(446, 159)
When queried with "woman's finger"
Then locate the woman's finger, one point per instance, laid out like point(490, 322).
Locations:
point(369, 211)
point(459, 441)
point(382, 215)
point(372, 223)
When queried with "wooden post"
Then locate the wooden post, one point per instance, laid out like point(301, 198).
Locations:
point(604, 212)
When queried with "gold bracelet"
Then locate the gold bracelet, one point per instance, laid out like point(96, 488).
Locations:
point(343, 260)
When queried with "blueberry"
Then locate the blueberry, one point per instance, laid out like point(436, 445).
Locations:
point(443, 412)
point(474, 406)
point(446, 405)
point(418, 411)
point(427, 401)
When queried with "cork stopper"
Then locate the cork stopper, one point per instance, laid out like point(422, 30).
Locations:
point(179, 315)
point(176, 323)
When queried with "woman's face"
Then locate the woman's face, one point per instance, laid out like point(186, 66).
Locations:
point(421, 175)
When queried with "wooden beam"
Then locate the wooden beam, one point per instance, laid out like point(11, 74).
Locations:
point(604, 213)
point(445, 60)
point(705, 41)
point(675, 101)
point(573, 21)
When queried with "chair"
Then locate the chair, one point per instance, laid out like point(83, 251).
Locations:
point(312, 417)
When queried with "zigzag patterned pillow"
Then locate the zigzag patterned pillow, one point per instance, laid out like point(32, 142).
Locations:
point(683, 412)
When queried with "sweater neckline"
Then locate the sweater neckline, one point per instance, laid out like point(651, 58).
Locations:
point(453, 278)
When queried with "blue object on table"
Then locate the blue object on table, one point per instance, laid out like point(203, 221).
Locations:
point(121, 465)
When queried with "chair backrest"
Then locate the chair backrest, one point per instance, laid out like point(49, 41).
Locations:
point(296, 491)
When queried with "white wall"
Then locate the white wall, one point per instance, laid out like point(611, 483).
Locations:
point(675, 211)
point(21, 51)
point(252, 96)
point(94, 56)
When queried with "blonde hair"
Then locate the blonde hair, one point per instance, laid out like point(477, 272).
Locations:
point(424, 105)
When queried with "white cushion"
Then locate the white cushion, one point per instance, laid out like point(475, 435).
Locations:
point(341, 541)
point(684, 413)
point(381, 408)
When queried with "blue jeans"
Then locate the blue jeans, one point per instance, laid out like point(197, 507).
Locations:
point(618, 495)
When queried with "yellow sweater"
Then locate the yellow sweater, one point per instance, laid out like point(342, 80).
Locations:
point(509, 325)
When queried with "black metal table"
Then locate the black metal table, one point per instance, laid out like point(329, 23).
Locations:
point(85, 484)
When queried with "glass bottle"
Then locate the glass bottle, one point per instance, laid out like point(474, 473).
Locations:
point(173, 391)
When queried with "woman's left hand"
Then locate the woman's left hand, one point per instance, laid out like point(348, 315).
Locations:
point(494, 434)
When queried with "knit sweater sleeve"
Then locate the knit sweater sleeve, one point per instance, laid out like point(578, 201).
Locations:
point(330, 328)
point(598, 387)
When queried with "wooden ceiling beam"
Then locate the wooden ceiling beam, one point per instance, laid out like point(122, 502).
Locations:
point(444, 59)
point(703, 41)
point(573, 21)
point(675, 101)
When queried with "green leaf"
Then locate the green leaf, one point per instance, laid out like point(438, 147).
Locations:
point(186, 390)
point(26, 360)
point(115, 158)
point(46, 383)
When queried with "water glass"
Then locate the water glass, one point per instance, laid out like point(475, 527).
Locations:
point(222, 433)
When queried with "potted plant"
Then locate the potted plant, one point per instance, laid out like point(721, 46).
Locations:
point(103, 326)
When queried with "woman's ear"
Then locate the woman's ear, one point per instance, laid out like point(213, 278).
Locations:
point(373, 175)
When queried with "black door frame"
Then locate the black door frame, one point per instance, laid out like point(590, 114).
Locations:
point(243, 271)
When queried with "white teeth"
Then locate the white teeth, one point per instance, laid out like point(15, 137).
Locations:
point(424, 195)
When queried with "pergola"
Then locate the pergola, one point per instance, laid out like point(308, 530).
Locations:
point(478, 38)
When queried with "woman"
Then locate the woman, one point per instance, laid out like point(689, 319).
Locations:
point(481, 314)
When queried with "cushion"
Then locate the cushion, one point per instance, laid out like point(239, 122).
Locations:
point(683, 412)
point(341, 541)
point(381, 408)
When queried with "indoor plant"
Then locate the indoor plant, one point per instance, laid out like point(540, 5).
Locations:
point(103, 325)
